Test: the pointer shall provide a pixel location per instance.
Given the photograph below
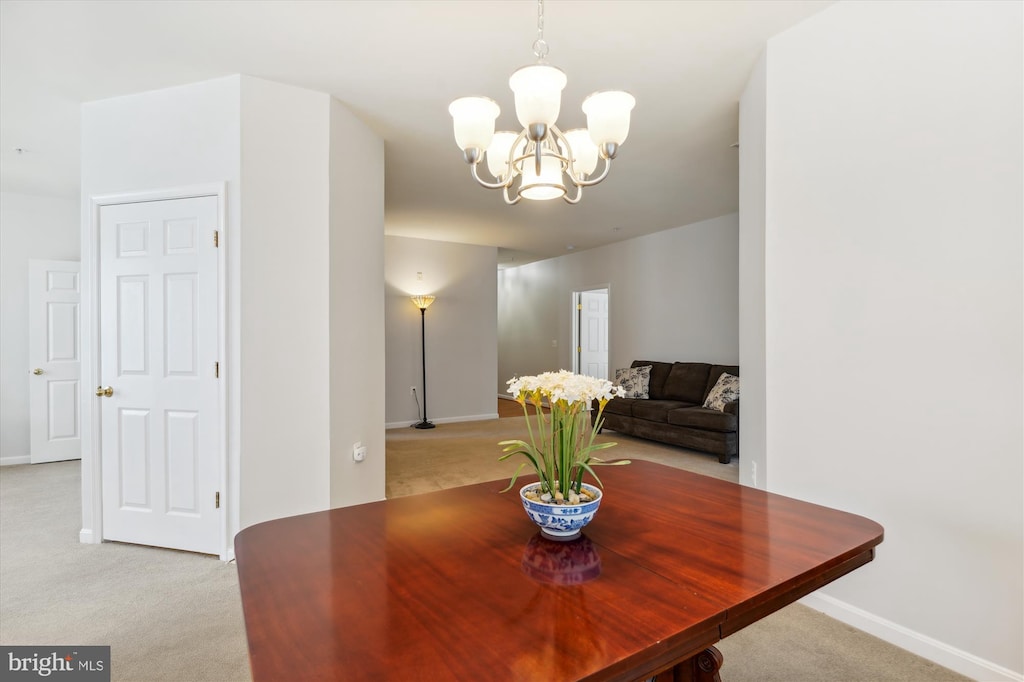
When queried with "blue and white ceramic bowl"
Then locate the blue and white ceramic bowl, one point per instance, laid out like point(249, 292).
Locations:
point(561, 521)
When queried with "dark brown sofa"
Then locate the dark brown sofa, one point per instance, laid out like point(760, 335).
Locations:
point(674, 414)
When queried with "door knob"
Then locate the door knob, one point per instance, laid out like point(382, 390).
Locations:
point(101, 391)
point(37, 371)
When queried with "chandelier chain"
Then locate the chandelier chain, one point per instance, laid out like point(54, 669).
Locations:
point(540, 46)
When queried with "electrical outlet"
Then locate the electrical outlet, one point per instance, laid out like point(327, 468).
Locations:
point(358, 452)
point(412, 390)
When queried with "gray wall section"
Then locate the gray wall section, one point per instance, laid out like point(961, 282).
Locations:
point(673, 296)
point(461, 329)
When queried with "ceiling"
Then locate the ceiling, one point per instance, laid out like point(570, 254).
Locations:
point(397, 64)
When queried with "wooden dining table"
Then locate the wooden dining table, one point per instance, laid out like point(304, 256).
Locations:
point(459, 585)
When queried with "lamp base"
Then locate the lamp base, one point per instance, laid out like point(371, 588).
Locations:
point(424, 425)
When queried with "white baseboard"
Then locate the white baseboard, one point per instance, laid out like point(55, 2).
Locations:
point(444, 420)
point(9, 461)
point(85, 536)
point(938, 652)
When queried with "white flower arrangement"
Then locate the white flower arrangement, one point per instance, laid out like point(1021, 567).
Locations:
point(560, 447)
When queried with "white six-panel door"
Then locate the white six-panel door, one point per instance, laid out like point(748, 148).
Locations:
point(55, 432)
point(158, 337)
point(593, 333)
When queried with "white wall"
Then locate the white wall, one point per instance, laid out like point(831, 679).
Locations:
point(357, 308)
point(673, 296)
point(893, 314)
point(753, 469)
point(285, 293)
point(31, 227)
point(461, 330)
point(277, 149)
point(176, 137)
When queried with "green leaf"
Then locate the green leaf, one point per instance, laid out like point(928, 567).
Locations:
point(599, 446)
point(616, 463)
point(514, 477)
point(591, 472)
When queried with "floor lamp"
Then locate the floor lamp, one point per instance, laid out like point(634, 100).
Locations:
point(423, 302)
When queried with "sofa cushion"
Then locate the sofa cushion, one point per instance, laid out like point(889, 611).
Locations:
point(623, 406)
point(726, 390)
point(717, 371)
point(659, 372)
point(634, 381)
point(656, 410)
point(687, 382)
point(703, 418)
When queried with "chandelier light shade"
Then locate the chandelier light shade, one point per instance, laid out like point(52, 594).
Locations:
point(544, 185)
point(608, 116)
point(583, 151)
point(538, 91)
point(498, 153)
point(474, 121)
point(541, 162)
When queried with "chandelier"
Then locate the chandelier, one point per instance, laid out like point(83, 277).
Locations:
point(535, 163)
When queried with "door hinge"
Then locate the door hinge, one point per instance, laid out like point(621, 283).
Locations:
point(579, 306)
point(216, 500)
point(216, 370)
point(579, 349)
point(216, 238)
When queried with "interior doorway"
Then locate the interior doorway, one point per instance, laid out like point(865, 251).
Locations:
point(590, 332)
point(155, 468)
point(55, 357)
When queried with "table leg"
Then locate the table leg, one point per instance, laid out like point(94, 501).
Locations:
point(703, 667)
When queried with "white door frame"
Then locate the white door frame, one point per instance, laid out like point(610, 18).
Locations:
point(92, 479)
point(576, 298)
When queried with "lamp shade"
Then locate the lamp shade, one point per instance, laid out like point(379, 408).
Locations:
point(422, 302)
point(584, 151)
point(538, 90)
point(473, 118)
point(547, 185)
point(608, 116)
point(497, 153)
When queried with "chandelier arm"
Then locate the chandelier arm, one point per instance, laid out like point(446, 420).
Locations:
point(576, 199)
point(593, 181)
point(511, 202)
point(483, 183)
point(579, 182)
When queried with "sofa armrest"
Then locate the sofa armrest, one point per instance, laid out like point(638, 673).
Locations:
point(732, 407)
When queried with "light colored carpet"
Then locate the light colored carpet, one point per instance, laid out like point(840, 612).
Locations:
point(467, 452)
point(177, 616)
point(167, 615)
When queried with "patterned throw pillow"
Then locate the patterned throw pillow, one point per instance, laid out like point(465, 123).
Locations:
point(726, 390)
point(635, 381)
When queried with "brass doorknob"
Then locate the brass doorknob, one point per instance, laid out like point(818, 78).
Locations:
point(37, 371)
point(101, 391)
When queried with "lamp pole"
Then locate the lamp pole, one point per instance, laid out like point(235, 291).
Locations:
point(423, 302)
